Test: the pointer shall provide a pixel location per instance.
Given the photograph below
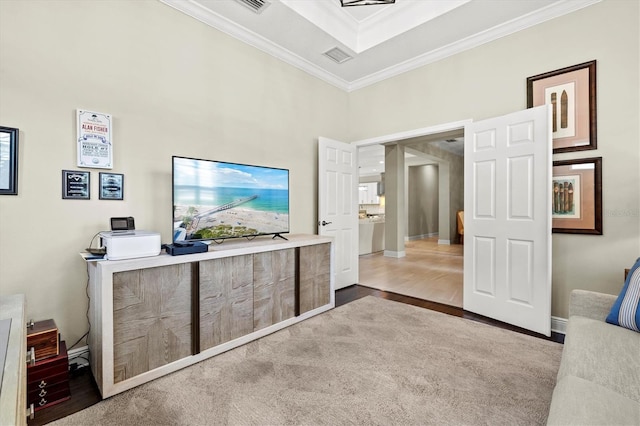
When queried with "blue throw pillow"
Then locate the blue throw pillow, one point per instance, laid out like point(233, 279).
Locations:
point(626, 311)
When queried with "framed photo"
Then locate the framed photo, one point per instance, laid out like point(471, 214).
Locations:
point(111, 186)
point(76, 185)
point(577, 196)
point(572, 92)
point(8, 161)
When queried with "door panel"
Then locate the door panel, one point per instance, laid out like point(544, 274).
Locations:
point(338, 205)
point(507, 255)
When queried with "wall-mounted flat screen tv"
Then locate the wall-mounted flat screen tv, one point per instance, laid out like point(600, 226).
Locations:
point(215, 200)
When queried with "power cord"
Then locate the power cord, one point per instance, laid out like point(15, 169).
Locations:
point(86, 335)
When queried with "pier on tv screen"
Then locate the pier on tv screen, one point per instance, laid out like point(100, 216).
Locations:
point(216, 200)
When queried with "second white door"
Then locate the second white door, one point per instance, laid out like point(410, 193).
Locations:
point(507, 220)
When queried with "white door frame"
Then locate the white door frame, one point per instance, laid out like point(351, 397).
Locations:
point(415, 133)
point(423, 131)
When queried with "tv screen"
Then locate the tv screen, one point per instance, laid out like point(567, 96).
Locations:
point(216, 200)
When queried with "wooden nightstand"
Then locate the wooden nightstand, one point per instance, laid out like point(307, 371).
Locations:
point(48, 380)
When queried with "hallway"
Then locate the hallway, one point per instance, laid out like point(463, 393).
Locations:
point(429, 271)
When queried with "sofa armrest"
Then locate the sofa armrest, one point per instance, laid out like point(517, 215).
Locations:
point(591, 304)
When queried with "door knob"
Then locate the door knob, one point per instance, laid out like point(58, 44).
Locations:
point(325, 223)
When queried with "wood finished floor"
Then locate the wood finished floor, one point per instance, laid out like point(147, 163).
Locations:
point(429, 271)
point(84, 391)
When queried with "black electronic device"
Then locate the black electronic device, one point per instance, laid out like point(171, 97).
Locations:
point(182, 244)
point(193, 247)
point(122, 224)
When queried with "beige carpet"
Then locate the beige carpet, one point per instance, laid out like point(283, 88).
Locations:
point(369, 362)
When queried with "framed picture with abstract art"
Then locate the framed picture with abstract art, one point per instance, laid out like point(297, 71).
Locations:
point(572, 93)
point(8, 161)
point(577, 196)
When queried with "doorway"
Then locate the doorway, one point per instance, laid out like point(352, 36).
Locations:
point(432, 266)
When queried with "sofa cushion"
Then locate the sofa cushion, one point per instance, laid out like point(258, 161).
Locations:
point(578, 401)
point(602, 353)
point(626, 309)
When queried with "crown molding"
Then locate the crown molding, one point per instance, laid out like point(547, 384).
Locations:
point(236, 31)
point(545, 14)
point(223, 24)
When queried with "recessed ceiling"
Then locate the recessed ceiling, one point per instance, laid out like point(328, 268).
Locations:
point(383, 40)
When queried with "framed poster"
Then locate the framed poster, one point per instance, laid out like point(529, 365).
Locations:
point(111, 186)
point(95, 146)
point(76, 185)
point(572, 93)
point(577, 196)
point(8, 161)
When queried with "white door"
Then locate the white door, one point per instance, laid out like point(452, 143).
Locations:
point(507, 219)
point(338, 205)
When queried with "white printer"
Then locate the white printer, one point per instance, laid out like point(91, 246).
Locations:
point(130, 244)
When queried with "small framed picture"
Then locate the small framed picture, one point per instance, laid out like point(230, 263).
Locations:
point(572, 93)
point(8, 161)
point(111, 186)
point(76, 185)
point(577, 196)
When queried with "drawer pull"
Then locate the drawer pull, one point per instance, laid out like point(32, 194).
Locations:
point(42, 393)
point(31, 412)
point(42, 402)
point(31, 356)
point(42, 384)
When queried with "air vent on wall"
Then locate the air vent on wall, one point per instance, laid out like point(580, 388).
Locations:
point(256, 5)
point(337, 55)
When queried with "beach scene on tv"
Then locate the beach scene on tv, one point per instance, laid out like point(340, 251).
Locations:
point(216, 200)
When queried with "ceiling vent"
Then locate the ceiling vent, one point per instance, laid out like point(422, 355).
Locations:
point(256, 5)
point(337, 55)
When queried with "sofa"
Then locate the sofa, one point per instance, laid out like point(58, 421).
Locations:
point(598, 380)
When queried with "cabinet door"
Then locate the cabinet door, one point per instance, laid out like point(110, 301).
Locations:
point(273, 287)
point(362, 194)
point(151, 319)
point(226, 299)
point(373, 193)
point(315, 276)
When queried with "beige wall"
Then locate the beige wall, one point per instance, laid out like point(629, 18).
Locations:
point(490, 80)
point(174, 87)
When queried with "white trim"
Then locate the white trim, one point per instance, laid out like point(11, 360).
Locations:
point(236, 31)
point(444, 242)
point(408, 134)
point(241, 33)
point(550, 12)
point(74, 354)
point(395, 254)
point(559, 325)
point(420, 237)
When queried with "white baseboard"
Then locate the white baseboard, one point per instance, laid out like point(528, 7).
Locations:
point(421, 237)
point(396, 254)
point(75, 354)
point(559, 325)
point(444, 242)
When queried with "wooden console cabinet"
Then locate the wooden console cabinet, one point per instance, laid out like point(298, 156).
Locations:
point(152, 316)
